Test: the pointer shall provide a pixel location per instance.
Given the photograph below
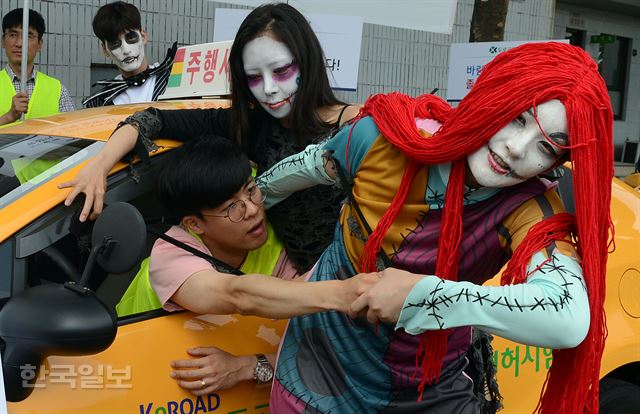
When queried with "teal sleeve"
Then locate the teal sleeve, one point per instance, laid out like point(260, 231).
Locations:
point(550, 310)
point(349, 152)
point(294, 173)
point(306, 169)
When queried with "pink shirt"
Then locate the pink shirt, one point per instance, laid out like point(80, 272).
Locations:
point(170, 266)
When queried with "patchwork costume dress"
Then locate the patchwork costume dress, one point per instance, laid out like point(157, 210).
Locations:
point(330, 363)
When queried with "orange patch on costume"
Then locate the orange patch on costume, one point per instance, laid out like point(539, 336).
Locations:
point(375, 185)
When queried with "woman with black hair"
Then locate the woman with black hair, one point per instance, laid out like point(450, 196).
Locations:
point(280, 102)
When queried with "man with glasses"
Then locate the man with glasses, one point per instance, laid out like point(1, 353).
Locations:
point(207, 185)
point(44, 95)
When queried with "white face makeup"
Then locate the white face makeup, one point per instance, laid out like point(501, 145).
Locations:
point(272, 74)
point(128, 51)
point(520, 151)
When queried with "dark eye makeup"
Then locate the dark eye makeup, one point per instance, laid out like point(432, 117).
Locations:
point(283, 69)
point(114, 44)
point(520, 120)
point(132, 37)
point(129, 37)
point(559, 138)
point(548, 149)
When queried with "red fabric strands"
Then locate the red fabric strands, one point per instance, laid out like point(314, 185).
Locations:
point(512, 83)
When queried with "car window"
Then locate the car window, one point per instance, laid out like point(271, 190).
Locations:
point(28, 161)
point(52, 249)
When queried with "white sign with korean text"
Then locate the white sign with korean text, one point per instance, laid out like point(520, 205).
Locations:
point(199, 70)
point(466, 61)
point(340, 38)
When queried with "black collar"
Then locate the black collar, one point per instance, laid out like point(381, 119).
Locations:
point(139, 79)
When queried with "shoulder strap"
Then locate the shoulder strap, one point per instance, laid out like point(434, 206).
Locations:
point(219, 264)
point(340, 115)
point(347, 184)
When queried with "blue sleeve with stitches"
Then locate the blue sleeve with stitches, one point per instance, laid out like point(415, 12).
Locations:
point(294, 173)
point(307, 168)
point(550, 310)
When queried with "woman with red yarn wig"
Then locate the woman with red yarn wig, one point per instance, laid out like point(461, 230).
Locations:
point(449, 196)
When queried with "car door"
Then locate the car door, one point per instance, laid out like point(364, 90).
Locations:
point(133, 374)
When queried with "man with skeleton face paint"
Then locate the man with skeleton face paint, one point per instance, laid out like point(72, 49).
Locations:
point(128, 52)
point(118, 26)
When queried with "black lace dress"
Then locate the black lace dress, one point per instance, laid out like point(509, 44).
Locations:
point(305, 221)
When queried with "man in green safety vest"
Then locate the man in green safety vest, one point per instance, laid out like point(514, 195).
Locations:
point(208, 187)
point(199, 178)
point(44, 95)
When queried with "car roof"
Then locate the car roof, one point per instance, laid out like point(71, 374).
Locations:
point(98, 123)
point(94, 124)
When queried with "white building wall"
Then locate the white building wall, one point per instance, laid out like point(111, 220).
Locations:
point(414, 62)
point(596, 22)
point(392, 59)
point(529, 20)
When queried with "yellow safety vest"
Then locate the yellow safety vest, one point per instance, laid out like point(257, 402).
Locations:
point(44, 101)
point(140, 296)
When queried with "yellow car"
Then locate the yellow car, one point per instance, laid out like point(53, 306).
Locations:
point(522, 369)
point(98, 369)
point(39, 252)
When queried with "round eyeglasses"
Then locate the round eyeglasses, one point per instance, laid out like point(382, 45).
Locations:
point(236, 210)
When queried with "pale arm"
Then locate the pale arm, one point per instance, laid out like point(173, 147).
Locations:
point(92, 179)
point(218, 369)
point(209, 291)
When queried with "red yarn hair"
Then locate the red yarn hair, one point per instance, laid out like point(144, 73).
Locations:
point(513, 82)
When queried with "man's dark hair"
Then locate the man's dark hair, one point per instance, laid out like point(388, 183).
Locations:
point(289, 26)
point(202, 174)
point(115, 18)
point(13, 19)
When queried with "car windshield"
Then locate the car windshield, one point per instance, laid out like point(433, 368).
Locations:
point(28, 161)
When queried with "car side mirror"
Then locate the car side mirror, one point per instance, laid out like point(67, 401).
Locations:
point(68, 319)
